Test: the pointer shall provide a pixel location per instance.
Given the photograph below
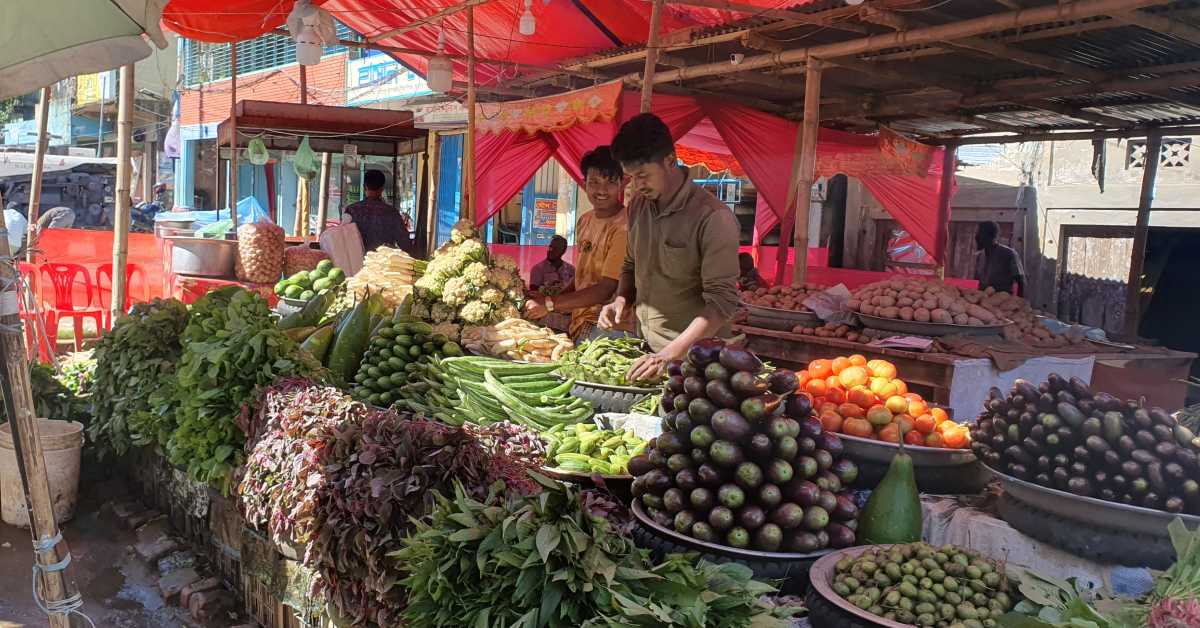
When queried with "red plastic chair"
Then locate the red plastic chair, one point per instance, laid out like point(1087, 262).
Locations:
point(29, 319)
point(104, 273)
point(63, 277)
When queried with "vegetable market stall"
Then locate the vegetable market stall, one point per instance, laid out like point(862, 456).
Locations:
point(961, 383)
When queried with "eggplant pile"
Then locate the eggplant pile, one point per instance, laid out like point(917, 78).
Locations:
point(1061, 435)
point(741, 461)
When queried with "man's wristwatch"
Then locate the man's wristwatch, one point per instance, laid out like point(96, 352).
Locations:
point(549, 304)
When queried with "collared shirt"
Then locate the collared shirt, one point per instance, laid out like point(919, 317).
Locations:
point(380, 224)
point(551, 280)
point(600, 245)
point(997, 268)
point(682, 256)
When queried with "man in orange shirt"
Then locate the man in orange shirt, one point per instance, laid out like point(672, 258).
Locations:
point(600, 239)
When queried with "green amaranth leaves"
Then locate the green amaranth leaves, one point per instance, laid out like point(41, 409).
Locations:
point(548, 561)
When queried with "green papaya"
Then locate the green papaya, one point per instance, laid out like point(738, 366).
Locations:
point(299, 333)
point(309, 315)
point(893, 513)
point(317, 344)
point(350, 343)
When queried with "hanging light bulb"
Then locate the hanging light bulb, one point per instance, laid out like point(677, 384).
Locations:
point(311, 28)
point(528, 24)
point(440, 76)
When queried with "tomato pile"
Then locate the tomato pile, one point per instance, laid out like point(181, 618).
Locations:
point(860, 397)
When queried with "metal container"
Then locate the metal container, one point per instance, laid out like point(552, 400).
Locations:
point(779, 319)
point(937, 470)
point(610, 397)
point(174, 228)
point(821, 577)
point(202, 257)
point(1092, 511)
point(880, 451)
point(928, 329)
point(714, 548)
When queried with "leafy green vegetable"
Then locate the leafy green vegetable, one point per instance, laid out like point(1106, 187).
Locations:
point(134, 381)
point(231, 349)
point(546, 560)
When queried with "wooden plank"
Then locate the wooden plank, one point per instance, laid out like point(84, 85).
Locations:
point(806, 169)
point(651, 56)
point(42, 116)
point(123, 200)
point(1133, 295)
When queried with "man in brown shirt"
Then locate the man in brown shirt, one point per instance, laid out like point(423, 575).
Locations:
point(997, 266)
point(681, 264)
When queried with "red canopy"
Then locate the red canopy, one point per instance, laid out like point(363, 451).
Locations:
point(515, 138)
point(566, 29)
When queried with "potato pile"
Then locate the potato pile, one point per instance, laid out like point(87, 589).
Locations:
point(923, 301)
point(260, 253)
point(781, 297)
point(828, 330)
point(1025, 326)
point(301, 257)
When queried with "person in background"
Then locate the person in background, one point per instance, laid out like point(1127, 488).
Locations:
point(749, 277)
point(681, 267)
point(552, 275)
point(600, 241)
point(997, 266)
point(379, 223)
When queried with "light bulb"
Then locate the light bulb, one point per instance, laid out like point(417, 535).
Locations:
point(854, 3)
point(528, 24)
point(308, 46)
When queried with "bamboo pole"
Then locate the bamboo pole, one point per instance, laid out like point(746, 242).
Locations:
point(233, 136)
point(55, 586)
point(432, 19)
point(942, 235)
point(431, 149)
point(303, 85)
point(323, 201)
point(121, 215)
point(35, 183)
point(806, 169)
point(1141, 232)
point(468, 204)
point(651, 56)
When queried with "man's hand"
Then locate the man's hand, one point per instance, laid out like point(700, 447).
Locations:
point(647, 368)
point(612, 314)
point(535, 310)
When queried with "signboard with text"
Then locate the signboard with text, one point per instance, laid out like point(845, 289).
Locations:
point(378, 77)
point(91, 88)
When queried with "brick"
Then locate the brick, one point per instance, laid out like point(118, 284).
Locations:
point(206, 605)
point(173, 583)
point(153, 530)
point(151, 551)
point(125, 509)
point(207, 584)
point(209, 103)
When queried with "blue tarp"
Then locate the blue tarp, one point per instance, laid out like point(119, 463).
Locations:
point(248, 209)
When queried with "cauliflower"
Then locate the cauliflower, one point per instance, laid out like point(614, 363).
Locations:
point(462, 230)
point(456, 291)
point(475, 312)
point(429, 284)
point(476, 274)
point(508, 310)
point(505, 262)
point(472, 249)
point(491, 296)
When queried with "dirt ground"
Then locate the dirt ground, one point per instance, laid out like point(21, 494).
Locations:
point(119, 590)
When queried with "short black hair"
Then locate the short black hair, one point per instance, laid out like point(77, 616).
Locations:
point(643, 139)
point(557, 239)
point(601, 159)
point(374, 180)
point(989, 229)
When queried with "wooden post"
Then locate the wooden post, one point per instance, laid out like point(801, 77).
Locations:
point(121, 215)
point(1133, 293)
point(396, 175)
point(431, 149)
point(323, 201)
point(304, 85)
point(806, 168)
point(233, 136)
point(467, 207)
point(149, 170)
point(55, 586)
point(35, 183)
point(942, 235)
point(651, 55)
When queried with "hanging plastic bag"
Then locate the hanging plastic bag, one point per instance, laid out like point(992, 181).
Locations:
point(305, 161)
point(257, 152)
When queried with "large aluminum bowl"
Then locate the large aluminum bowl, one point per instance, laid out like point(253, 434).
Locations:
point(202, 257)
point(928, 329)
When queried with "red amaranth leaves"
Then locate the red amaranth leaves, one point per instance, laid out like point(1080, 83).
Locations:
point(1175, 613)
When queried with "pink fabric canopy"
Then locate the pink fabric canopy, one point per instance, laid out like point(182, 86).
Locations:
point(904, 176)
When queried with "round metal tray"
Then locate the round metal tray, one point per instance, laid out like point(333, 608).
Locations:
point(579, 476)
point(609, 397)
point(928, 329)
point(795, 317)
point(714, 548)
point(1089, 510)
point(879, 451)
point(821, 577)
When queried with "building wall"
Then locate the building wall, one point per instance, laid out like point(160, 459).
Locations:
point(209, 103)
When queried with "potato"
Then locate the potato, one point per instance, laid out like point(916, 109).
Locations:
point(921, 315)
point(906, 313)
point(980, 313)
point(944, 301)
point(887, 301)
point(971, 320)
point(930, 303)
point(905, 301)
point(941, 315)
point(852, 336)
point(889, 311)
point(853, 304)
point(961, 319)
point(867, 309)
point(958, 307)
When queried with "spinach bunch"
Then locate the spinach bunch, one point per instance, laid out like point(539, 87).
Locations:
point(231, 349)
point(52, 399)
point(547, 560)
point(134, 378)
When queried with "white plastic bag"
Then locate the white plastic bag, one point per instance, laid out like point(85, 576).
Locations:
point(343, 243)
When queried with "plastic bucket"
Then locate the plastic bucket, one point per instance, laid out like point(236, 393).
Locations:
point(62, 445)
